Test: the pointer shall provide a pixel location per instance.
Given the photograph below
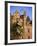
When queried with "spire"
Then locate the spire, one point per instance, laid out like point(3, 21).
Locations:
point(16, 12)
point(24, 13)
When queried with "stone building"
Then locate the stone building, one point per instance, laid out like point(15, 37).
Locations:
point(22, 21)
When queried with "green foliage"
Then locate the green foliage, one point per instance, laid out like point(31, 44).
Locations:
point(20, 29)
point(13, 27)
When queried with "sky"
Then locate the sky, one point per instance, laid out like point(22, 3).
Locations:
point(21, 9)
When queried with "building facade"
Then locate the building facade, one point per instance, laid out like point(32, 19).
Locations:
point(21, 20)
